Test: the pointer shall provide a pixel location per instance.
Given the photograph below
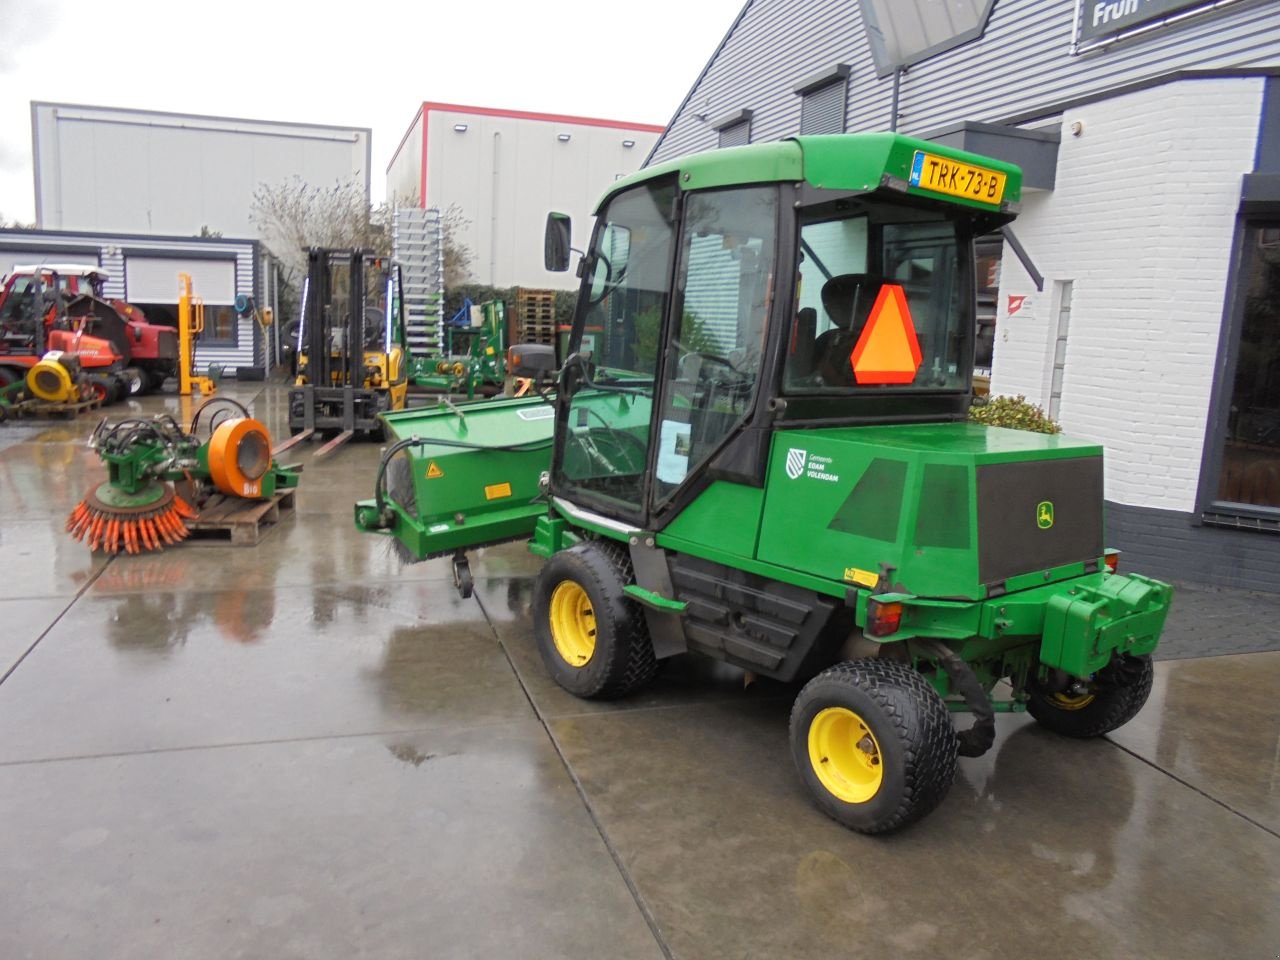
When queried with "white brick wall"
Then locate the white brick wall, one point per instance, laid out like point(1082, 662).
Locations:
point(1141, 219)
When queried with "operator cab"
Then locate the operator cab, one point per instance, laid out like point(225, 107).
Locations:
point(707, 315)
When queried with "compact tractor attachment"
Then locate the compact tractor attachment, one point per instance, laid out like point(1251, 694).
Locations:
point(757, 449)
point(138, 509)
point(55, 385)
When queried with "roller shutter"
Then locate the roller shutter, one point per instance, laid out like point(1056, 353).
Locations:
point(155, 279)
point(822, 110)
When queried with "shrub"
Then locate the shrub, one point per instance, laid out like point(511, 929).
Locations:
point(1016, 413)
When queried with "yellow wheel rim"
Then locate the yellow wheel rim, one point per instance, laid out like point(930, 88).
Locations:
point(845, 755)
point(1079, 701)
point(573, 624)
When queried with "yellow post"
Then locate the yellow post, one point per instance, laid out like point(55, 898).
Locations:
point(190, 324)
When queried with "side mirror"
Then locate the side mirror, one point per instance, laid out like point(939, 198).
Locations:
point(534, 361)
point(555, 244)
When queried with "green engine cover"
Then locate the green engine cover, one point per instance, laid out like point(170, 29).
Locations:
point(956, 510)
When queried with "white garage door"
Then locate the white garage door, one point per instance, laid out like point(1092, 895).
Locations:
point(155, 279)
point(11, 257)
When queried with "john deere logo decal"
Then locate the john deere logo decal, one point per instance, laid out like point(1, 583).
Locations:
point(795, 462)
point(1044, 514)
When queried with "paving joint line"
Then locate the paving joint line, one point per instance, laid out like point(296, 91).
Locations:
point(632, 887)
point(624, 712)
point(45, 632)
point(274, 741)
point(1192, 787)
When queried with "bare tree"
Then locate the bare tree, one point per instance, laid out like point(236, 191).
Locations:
point(457, 255)
point(294, 215)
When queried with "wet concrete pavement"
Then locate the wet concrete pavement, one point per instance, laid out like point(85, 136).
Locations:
point(303, 750)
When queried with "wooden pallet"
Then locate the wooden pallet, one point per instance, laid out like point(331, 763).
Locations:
point(242, 523)
point(43, 408)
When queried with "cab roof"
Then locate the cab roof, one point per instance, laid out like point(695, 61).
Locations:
point(846, 161)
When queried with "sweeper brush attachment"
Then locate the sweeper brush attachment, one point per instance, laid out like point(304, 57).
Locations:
point(138, 509)
point(106, 520)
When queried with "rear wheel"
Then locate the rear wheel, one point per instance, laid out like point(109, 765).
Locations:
point(592, 636)
point(874, 744)
point(104, 388)
point(135, 381)
point(1091, 708)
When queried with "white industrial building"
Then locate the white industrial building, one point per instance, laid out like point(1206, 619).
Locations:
point(1138, 298)
point(148, 195)
point(142, 171)
point(504, 170)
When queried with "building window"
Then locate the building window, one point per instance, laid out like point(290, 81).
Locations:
point(1249, 473)
point(220, 325)
point(822, 110)
point(1060, 348)
point(738, 135)
point(822, 101)
point(734, 129)
point(903, 32)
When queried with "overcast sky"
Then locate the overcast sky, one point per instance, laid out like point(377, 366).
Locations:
point(318, 62)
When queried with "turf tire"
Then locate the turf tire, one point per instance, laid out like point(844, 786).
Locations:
point(1119, 692)
point(622, 661)
point(911, 725)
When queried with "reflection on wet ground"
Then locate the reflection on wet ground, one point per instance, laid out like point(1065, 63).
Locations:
point(305, 750)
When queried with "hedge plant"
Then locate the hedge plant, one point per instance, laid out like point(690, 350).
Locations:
point(1016, 413)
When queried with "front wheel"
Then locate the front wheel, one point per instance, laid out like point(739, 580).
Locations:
point(593, 637)
point(874, 744)
point(1091, 708)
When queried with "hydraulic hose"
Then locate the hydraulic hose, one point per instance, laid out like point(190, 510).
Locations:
point(978, 739)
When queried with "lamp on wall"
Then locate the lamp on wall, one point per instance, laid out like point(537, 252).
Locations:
point(628, 144)
point(459, 128)
point(563, 137)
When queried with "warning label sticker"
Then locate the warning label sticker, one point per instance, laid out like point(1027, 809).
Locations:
point(433, 471)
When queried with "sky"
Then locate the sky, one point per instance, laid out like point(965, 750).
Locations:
point(318, 63)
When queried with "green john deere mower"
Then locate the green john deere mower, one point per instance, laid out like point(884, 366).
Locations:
point(756, 448)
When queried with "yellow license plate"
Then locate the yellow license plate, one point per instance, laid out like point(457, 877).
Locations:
point(958, 179)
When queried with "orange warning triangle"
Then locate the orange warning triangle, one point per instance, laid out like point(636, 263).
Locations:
point(887, 351)
point(434, 471)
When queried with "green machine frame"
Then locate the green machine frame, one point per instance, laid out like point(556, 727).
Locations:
point(866, 538)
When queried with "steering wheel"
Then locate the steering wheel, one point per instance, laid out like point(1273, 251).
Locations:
point(607, 451)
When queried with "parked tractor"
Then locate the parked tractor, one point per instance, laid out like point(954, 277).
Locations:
point(62, 307)
point(757, 449)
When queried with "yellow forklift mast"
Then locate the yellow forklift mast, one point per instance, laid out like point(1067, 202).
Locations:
point(352, 352)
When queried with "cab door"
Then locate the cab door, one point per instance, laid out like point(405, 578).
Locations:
point(714, 354)
point(606, 401)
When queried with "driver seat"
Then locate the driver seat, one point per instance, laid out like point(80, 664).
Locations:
point(847, 300)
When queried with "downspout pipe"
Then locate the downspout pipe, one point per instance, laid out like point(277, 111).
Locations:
point(893, 106)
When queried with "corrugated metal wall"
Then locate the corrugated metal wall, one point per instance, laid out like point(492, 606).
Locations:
point(248, 350)
point(1021, 66)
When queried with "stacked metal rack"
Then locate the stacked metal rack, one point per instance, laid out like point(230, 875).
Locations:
point(417, 245)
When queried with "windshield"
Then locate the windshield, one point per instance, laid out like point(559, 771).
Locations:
point(882, 301)
point(630, 262)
